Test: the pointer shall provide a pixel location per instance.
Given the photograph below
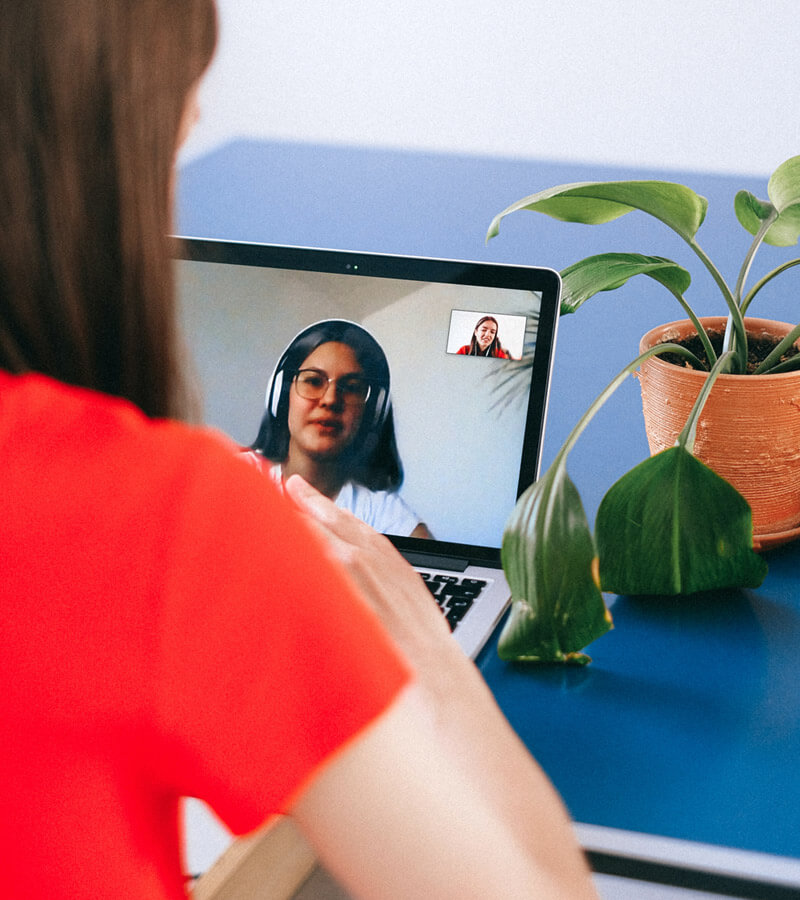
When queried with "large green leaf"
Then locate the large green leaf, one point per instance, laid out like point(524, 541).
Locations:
point(608, 271)
point(672, 526)
point(593, 203)
point(550, 563)
point(784, 200)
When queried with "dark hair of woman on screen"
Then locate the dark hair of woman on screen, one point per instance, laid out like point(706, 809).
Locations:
point(329, 418)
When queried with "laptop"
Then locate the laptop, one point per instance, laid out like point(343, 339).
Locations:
point(468, 426)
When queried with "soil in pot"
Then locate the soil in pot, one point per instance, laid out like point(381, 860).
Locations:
point(758, 349)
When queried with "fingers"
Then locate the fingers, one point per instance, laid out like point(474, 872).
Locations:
point(366, 553)
point(327, 514)
point(357, 545)
point(388, 582)
point(303, 494)
point(308, 498)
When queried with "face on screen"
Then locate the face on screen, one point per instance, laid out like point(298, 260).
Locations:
point(326, 402)
point(485, 333)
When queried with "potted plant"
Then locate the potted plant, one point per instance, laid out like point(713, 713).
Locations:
point(672, 524)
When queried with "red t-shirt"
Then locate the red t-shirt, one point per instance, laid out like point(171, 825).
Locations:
point(171, 628)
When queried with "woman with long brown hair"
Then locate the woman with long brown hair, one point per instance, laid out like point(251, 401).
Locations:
point(485, 340)
point(172, 625)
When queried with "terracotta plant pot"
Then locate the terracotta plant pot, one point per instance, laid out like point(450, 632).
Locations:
point(749, 431)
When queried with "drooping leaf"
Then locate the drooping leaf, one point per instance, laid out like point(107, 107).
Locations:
point(750, 211)
point(673, 526)
point(593, 203)
point(609, 271)
point(549, 559)
point(784, 199)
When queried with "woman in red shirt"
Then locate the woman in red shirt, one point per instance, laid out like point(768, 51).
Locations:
point(485, 341)
point(172, 625)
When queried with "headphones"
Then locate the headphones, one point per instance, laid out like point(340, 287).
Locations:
point(281, 380)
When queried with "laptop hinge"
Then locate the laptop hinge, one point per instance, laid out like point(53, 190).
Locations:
point(430, 561)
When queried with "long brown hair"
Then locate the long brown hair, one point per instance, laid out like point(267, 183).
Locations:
point(92, 95)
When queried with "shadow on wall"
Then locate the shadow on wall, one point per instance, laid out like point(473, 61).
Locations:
point(392, 201)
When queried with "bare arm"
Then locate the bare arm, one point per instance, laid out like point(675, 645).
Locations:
point(443, 761)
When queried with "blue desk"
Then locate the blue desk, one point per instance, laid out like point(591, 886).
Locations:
point(686, 725)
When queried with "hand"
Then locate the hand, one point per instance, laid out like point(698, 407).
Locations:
point(389, 584)
point(479, 744)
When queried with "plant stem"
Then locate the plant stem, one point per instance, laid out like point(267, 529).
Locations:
point(601, 398)
point(788, 365)
point(735, 334)
point(771, 362)
point(711, 356)
point(766, 224)
point(767, 278)
point(687, 436)
point(715, 273)
point(735, 319)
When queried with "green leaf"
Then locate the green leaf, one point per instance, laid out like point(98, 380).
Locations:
point(593, 203)
point(608, 271)
point(784, 199)
point(750, 211)
point(673, 526)
point(784, 184)
point(549, 559)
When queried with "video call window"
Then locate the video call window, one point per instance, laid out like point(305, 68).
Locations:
point(489, 334)
point(459, 436)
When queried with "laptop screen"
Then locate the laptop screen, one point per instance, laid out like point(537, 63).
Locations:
point(468, 348)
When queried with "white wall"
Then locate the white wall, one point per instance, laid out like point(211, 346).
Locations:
point(706, 86)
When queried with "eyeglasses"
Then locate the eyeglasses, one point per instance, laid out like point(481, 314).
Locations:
point(312, 384)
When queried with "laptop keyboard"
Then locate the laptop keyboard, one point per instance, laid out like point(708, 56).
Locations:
point(454, 595)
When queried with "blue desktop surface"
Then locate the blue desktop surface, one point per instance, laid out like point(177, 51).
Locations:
point(687, 722)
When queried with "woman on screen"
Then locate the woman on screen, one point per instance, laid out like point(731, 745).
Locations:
point(485, 341)
point(329, 418)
